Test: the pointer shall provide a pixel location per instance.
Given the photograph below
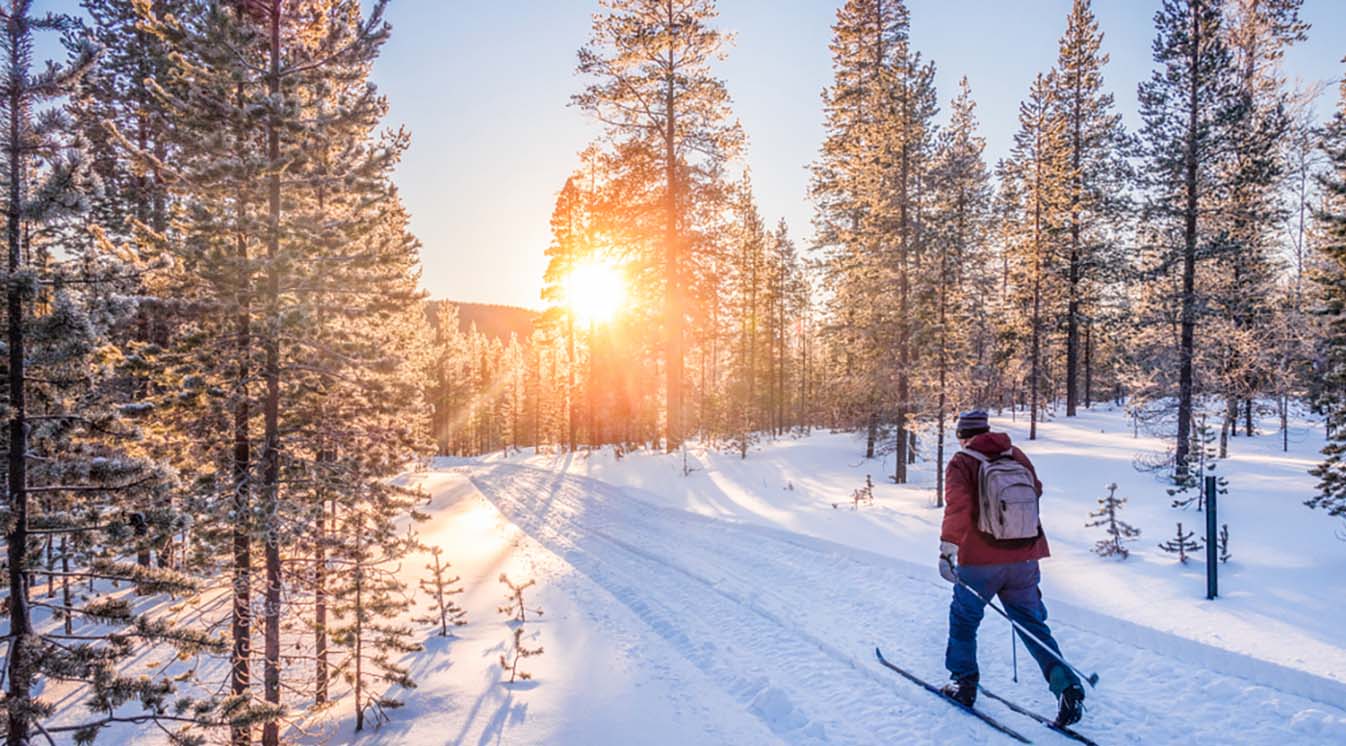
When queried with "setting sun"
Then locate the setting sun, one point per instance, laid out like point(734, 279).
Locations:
point(595, 290)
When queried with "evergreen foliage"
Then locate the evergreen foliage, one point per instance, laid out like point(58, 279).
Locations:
point(444, 612)
point(1119, 531)
point(514, 607)
point(863, 495)
point(1181, 544)
point(1191, 487)
point(517, 652)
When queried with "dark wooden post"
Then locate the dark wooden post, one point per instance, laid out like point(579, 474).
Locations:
point(1212, 541)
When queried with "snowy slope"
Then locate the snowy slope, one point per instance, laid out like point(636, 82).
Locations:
point(737, 606)
point(1283, 593)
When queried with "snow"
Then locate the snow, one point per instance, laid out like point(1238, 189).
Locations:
point(737, 605)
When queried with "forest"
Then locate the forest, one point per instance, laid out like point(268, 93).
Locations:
point(218, 358)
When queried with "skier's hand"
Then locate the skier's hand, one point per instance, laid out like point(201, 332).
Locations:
point(948, 561)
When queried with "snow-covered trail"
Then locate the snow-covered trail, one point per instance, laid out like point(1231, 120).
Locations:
point(785, 625)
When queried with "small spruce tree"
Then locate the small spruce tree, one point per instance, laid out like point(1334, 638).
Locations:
point(515, 607)
point(1180, 544)
point(1118, 531)
point(441, 589)
point(510, 661)
point(1202, 461)
point(863, 495)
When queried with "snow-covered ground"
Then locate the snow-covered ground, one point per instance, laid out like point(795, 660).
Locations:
point(737, 605)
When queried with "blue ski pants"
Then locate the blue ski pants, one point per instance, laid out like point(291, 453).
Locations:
point(1016, 583)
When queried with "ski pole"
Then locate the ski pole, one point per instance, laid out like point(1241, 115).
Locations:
point(1014, 654)
point(1091, 678)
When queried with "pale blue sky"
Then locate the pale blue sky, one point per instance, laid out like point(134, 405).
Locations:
point(484, 87)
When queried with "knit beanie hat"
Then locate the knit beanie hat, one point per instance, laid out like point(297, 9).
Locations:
point(973, 423)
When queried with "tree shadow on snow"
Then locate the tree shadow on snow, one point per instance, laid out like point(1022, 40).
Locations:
point(498, 693)
point(509, 713)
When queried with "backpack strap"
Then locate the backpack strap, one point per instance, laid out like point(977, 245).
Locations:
point(976, 454)
point(983, 458)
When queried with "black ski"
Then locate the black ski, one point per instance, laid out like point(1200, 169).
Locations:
point(1063, 730)
point(969, 710)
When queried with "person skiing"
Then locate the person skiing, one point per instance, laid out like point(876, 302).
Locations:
point(995, 550)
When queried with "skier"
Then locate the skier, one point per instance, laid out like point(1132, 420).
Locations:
point(982, 547)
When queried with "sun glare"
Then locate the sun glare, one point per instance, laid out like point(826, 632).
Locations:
point(595, 291)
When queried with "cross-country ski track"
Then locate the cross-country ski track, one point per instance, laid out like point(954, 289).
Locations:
point(781, 627)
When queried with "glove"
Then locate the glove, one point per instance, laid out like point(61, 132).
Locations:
point(948, 561)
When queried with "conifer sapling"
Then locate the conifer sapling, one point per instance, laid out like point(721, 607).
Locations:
point(515, 607)
point(518, 653)
point(441, 589)
point(863, 495)
point(1180, 544)
point(1118, 531)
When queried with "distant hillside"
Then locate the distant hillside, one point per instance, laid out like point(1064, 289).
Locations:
point(492, 320)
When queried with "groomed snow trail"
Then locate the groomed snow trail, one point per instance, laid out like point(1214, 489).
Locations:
point(786, 625)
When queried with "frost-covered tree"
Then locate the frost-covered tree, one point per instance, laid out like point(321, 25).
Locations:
point(78, 478)
point(1036, 195)
point(747, 303)
point(1204, 460)
point(441, 588)
point(1096, 183)
point(1186, 108)
point(959, 221)
point(1330, 281)
point(648, 63)
point(369, 598)
point(869, 183)
point(1119, 531)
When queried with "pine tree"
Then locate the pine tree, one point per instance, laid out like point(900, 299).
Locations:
point(517, 652)
point(868, 185)
point(747, 288)
point(291, 85)
point(1205, 459)
point(1096, 177)
point(441, 590)
point(960, 213)
point(1036, 177)
point(1181, 544)
point(1330, 280)
point(78, 476)
point(1118, 531)
point(1186, 108)
point(863, 495)
point(514, 606)
point(649, 62)
point(1243, 289)
point(368, 596)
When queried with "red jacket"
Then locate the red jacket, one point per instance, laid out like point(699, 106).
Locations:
point(961, 509)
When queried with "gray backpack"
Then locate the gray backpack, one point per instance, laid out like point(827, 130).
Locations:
point(1007, 495)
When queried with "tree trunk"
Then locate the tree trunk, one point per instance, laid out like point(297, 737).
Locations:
point(1076, 260)
point(1088, 365)
point(672, 280)
point(271, 405)
point(241, 622)
point(359, 633)
point(871, 434)
point(20, 659)
point(67, 598)
point(320, 610)
point(1188, 335)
